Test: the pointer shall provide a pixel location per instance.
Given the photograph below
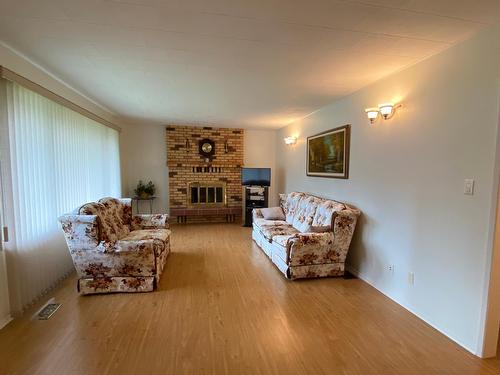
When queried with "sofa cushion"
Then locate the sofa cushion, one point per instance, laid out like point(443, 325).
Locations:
point(282, 240)
point(291, 205)
point(319, 229)
point(325, 212)
point(269, 231)
point(159, 236)
point(304, 214)
point(259, 222)
point(273, 213)
point(279, 246)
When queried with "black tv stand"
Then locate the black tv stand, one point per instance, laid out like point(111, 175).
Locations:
point(254, 197)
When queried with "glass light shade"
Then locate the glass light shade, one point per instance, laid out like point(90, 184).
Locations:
point(290, 140)
point(386, 109)
point(372, 114)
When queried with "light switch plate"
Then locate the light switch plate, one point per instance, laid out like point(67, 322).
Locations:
point(411, 278)
point(468, 186)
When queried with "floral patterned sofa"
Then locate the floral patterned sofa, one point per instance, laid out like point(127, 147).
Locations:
point(113, 251)
point(314, 239)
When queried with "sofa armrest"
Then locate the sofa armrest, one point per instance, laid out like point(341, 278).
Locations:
point(154, 221)
point(81, 231)
point(257, 213)
point(123, 258)
point(344, 224)
point(311, 248)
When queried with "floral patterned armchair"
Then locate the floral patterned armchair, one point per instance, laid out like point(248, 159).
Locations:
point(312, 241)
point(113, 251)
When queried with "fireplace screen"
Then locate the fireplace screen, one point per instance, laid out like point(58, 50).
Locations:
point(207, 193)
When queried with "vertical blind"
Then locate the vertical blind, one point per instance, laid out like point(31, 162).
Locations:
point(59, 160)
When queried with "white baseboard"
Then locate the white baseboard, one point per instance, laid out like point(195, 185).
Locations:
point(367, 280)
point(4, 321)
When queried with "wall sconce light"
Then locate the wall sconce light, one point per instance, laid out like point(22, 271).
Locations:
point(372, 114)
point(290, 140)
point(226, 146)
point(188, 145)
point(387, 110)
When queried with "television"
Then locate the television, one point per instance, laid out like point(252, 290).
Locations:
point(256, 176)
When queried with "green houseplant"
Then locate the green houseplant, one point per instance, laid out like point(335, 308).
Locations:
point(145, 190)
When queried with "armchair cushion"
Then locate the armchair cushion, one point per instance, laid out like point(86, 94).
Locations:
point(160, 238)
point(96, 209)
point(148, 234)
point(154, 221)
point(109, 230)
point(122, 209)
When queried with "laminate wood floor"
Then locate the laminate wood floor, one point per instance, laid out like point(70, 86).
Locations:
point(222, 308)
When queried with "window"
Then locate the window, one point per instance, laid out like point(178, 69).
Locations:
point(58, 159)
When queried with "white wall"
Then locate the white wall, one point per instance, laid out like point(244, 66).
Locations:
point(144, 156)
point(260, 152)
point(407, 175)
point(492, 318)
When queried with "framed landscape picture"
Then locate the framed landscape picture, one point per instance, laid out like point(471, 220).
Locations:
point(328, 153)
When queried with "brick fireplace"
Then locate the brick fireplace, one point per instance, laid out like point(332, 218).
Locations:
point(204, 187)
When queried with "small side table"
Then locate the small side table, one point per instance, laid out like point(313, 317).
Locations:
point(139, 199)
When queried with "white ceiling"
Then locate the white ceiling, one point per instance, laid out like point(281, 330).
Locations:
point(250, 63)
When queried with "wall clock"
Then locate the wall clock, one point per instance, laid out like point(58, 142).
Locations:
point(207, 148)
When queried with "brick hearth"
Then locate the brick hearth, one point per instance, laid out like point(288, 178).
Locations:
point(186, 165)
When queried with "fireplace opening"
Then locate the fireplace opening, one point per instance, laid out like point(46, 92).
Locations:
point(207, 193)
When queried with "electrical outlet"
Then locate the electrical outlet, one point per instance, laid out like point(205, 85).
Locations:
point(411, 278)
point(391, 268)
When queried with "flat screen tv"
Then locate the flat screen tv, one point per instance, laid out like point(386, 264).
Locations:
point(256, 176)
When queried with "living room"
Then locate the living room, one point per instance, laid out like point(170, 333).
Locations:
point(252, 187)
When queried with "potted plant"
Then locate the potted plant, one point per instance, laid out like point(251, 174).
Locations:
point(145, 190)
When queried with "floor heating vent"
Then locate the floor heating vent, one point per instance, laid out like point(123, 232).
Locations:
point(47, 310)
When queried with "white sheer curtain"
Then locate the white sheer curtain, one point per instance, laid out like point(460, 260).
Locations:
point(59, 160)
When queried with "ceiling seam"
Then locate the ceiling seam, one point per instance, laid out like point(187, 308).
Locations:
point(324, 27)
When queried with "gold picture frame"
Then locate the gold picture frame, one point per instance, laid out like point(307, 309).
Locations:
point(328, 153)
